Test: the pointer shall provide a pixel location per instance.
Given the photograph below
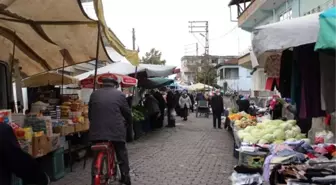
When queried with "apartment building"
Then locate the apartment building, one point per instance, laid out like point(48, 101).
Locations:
point(254, 13)
point(233, 77)
point(190, 65)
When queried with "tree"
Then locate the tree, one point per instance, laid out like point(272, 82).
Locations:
point(153, 57)
point(207, 75)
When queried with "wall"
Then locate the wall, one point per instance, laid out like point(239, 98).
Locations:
point(242, 83)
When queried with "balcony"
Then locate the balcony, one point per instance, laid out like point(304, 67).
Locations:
point(252, 12)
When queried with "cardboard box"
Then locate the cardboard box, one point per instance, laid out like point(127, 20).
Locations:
point(41, 146)
point(64, 130)
point(55, 141)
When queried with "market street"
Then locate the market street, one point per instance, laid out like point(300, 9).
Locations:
point(192, 153)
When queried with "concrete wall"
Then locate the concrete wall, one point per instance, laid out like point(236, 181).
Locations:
point(243, 83)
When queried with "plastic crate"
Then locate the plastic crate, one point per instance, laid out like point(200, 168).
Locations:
point(16, 180)
point(53, 164)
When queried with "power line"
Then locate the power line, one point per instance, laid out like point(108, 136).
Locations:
point(225, 34)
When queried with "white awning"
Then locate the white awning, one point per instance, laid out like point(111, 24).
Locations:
point(285, 34)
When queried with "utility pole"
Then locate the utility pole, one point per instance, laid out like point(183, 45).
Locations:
point(133, 38)
point(196, 49)
point(202, 28)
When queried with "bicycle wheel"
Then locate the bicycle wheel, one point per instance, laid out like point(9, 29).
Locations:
point(100, 169)
point(116, 172)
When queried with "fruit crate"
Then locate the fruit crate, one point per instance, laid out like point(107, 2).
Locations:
point(53, 164)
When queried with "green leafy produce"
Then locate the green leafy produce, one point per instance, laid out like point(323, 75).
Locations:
point(138, 113)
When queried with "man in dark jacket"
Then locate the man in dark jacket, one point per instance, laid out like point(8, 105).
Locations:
point(170, 108)
point(13, 160)
point(109, 116)
point(162, 105)
point(217, 105)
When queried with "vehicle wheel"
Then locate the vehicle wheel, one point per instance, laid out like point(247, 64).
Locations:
point(100, 170)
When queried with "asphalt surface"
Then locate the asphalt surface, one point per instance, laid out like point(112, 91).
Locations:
point(193, 153)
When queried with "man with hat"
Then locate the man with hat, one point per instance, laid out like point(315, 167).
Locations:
point(109, 115)
point(217, 105)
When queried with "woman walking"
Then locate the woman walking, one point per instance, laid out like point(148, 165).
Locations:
point(185, 104)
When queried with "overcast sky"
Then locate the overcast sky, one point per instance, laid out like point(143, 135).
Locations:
point(163, 24)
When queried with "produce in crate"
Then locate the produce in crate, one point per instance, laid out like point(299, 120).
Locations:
point(272, 131)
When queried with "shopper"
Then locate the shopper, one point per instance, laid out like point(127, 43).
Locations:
point(192, 102)
point(109, 115)
point(162, 105)
point(13, 160)
point(153, 110)
point(217, 105)
point(185, 104)
point(170, 108)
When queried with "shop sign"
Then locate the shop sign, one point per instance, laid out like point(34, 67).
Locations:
point(253, 7)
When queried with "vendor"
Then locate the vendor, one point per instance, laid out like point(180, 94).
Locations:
point(243, 104)
point(14, 160)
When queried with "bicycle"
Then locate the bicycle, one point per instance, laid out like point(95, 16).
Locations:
point(105, 167)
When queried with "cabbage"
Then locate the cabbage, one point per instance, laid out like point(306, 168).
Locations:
point(263, 141)
point(268, 137)
point(279, 134)
point(249, 128)
point(296, 129)
point(276, 122)
point(290, 134)
point(286, 126)
point(290, 139)
point(278, 141)
point(250, 139)
point(292, 122)
point(256, 133)
point(261, 125)
point(300, 136)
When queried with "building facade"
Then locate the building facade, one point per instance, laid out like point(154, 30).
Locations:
point(254, 13)
point(233, 77)
point(191, 65)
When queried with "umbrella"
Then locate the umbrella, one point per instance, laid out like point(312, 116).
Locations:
point(152, 83)
point(124, 80)
point(48, 78)
point(200, 86)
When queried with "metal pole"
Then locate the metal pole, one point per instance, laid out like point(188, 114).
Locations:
point(97, 58)
point(136, 67)
point(63, 72)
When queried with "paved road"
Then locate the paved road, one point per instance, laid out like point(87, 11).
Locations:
point(192, 153)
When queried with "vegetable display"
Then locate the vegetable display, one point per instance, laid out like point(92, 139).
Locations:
point(271, 131)
point(243, 120)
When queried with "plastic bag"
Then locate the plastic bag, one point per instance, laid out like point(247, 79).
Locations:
point(243, 179)
point(324, 137)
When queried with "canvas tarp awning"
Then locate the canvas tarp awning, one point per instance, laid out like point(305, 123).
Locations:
point(127, 69)
point(285, 34)
point(46, 31)
point(48, 78)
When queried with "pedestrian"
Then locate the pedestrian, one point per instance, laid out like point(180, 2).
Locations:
point(185, 104)
point(243, 104)
point(176, 101)
point(192, 102)
point(170, 108)
point(217, 106)
point(13, 160)
point(162, 105)
point(153, 110)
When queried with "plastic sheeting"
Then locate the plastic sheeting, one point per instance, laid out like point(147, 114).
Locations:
point(285, 34)
point(127, 69)
point(327, 34)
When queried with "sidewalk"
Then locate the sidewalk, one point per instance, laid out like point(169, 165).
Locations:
point(192, 153)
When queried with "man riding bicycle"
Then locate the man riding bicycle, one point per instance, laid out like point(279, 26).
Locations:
point(109, 115)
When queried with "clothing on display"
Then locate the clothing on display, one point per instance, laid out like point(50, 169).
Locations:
point(308, 61)
point(286, 68)
point(327, 64)
point(272, 65)
point(272, 83)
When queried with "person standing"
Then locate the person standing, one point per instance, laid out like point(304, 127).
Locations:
point(153, 110)
point(162, 105)
point(192, 102)
point(185, 104)
point(170, 107)
point(217, 105)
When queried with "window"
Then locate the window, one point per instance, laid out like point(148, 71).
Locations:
point(286, 15)
point(221, 74)
point(231, 73)
point(4, 92)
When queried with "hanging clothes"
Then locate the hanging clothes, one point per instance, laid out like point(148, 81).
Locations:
point(327, 65)
point(272, 65)
point(286, 68)
point(309, 65)
point(272, 83)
